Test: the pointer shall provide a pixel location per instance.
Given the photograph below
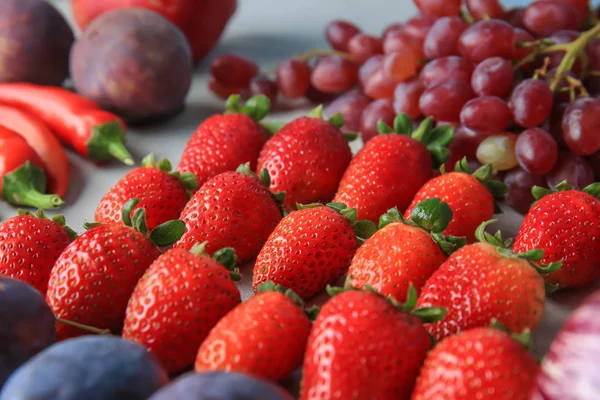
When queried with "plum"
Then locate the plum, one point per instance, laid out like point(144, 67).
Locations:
point(36, 41)
point(87, 367)
point(133, 62)
point(218, 385)
point(26, 327)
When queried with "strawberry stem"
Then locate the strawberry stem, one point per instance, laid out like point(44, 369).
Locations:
point(84, 327)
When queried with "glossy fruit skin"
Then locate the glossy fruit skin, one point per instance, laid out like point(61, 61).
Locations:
point(334, 74)
point(536, 151)
point(176, 303)
point(264, 337)
point(393, 258)
point(89, 367)
point(378, 110)
point(220, 385)
point(27, 325)
point(442, 39)
point(566, 225)
point(446, 68)
point(360, 328)
point(486, 114)
point(482, 363)
point(477, 284)
point(339, 33)
point(571, 168)
point(306, 159)
point(544, 18)
point(377, 179)
point(309, 249)
point(361, 47)
point(29, 247)
point(444, 101)
point(580, 126)
point(351, 105)
point(471, 202)
point(519, 183)
point(230, 210)
point(480, 40)
point(531, 103)
point(483, 9)
point(222, 143)
point(233, 70)
point(438, 8)
point(293, 78)
point(95, 275)
point(160, 194)
point(406, 98)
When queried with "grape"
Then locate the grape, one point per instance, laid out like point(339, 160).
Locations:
point(544, 18)
point(394, 27)
point(378, 110)
point(442, 39)
point(379, 85)
point(293, 78)
point(571, 168)
point(351, 105)
point(443, 102)
point(499, 151)
point(493, 77)
point(334, 74)
point(400, 65)
point(553, 125)
point(521, 52)
point(580, 126)
point(464, 144)
point(486, 114)
point(594, 162)
point(406, 98)
point(536, 151)
point(316, 96)
point(445, 69)
point(369, 68)
point(439, 8)
point(564, 37)
point(399, 40)
point(261, 85)
point(419, 26)
point(233, 71)
point(482, 9)
point(485, 39)
point(339, 33)
point(592, 50)
point(519, 183)
point(515, 17)
point(221, 90)
point(531, 103)
point(361, 47)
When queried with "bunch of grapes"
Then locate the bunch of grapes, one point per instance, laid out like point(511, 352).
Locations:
point(519, 86)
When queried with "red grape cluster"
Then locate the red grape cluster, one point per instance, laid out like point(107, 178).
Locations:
point(518, 85)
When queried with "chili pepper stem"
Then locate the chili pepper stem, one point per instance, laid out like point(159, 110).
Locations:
point(24, 186)
point(119, 151)
point(33, 198)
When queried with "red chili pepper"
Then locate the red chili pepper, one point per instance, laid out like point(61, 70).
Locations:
point(96, 134)
point(22, 181)
point(40, 138)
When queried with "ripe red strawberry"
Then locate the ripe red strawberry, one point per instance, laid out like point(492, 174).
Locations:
point(306, 159)
point(224, 141)
point(310, 248)
point(363, 346)
point(470, 196)
point(161, 192)
point(264, 337)
point(404, 252)
point(566, 226)
point(178, 301)
point(485, 281)
point(389, 170)
point(242, 219)
point(30, 245)
point(94, 277)
point(481, 363)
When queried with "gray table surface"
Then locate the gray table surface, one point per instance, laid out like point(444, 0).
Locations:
point(266, 31)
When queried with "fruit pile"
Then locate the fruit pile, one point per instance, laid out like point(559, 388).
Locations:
point(519, 84)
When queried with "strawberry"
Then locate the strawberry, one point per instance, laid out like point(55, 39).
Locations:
point(470, 196)
point(485, 281)
point(566, 226)
point(264, 337)
point(178, 301)
point(225, 141)
point(404, 252)
point(364, 346)
point(30, 245)
point(161, 192)
point(307, 158)
point(310, 248)
point(243, 219)
point(481, 363)
point(389, 170)
point(95, 275)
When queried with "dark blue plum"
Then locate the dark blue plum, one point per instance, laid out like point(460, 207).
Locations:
point(26, 325)
point(220, 386)
point(87, 368)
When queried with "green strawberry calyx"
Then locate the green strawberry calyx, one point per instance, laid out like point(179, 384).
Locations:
point(336, 120)
point(523, 338)
point(87, 328)
point(225, 256)
point(256, 107)
point(425, 314)
point(278, 197)
point(435, 139)
point(503, 246)
point(270, 286)
point(538, 192)
point(484, 175)
point(363, 229)
point(187, 179)
point(59, 219)
point(432, 215)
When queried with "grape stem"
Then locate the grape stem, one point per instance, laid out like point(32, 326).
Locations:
point(321, 53)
